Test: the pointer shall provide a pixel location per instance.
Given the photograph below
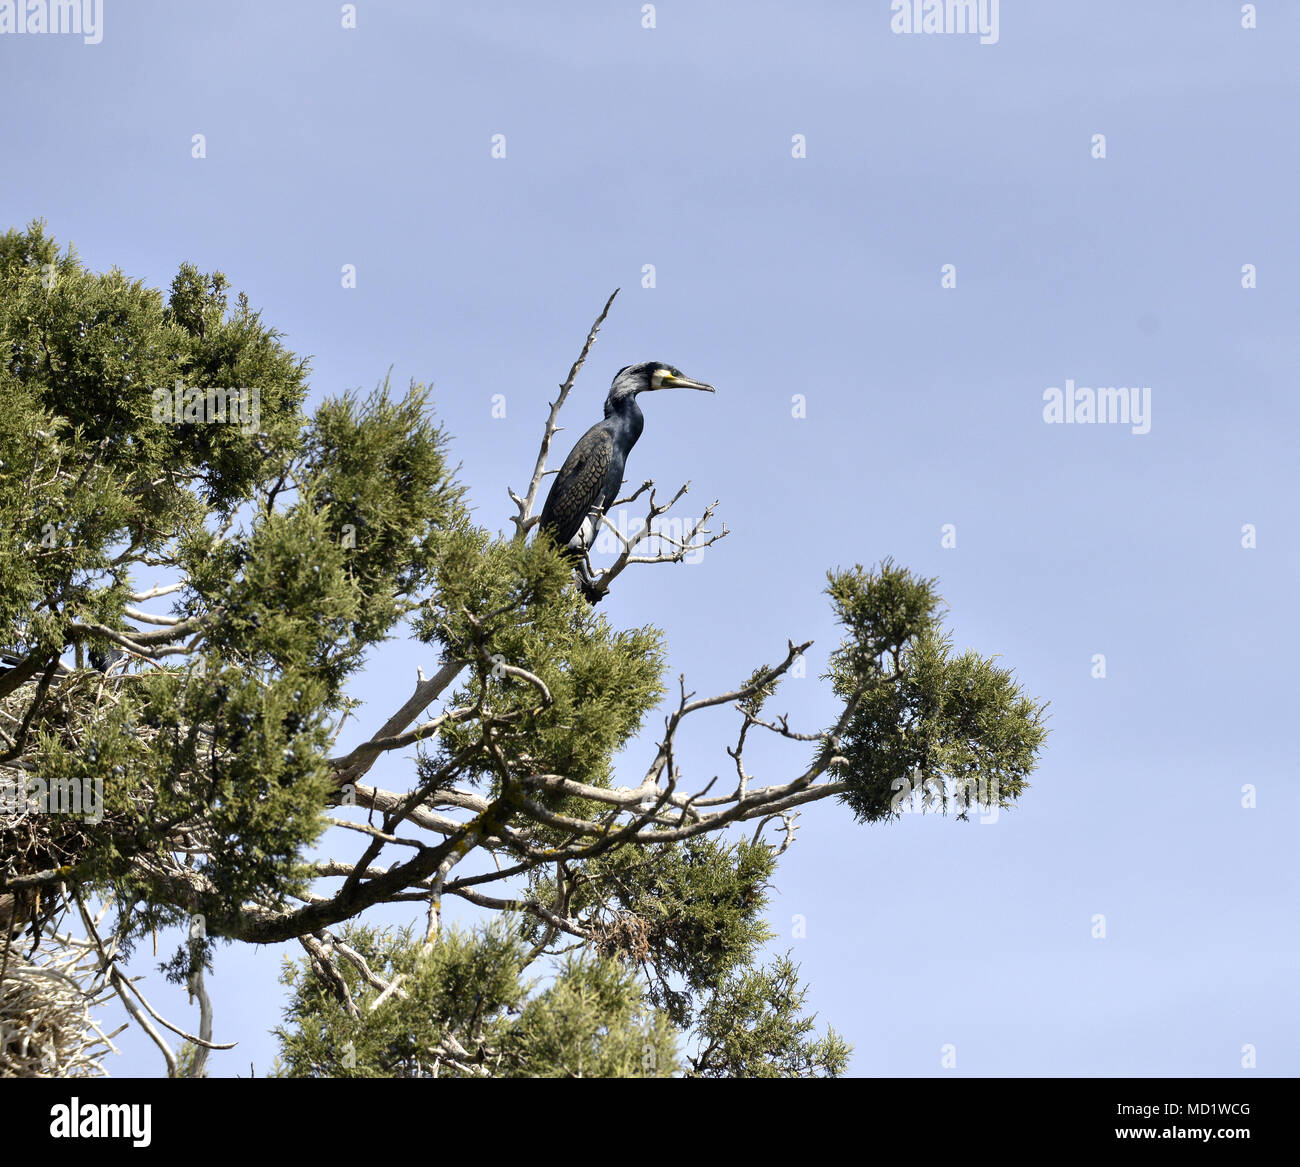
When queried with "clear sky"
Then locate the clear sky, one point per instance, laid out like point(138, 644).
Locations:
point(778, 275)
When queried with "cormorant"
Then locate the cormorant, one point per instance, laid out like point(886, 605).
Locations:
point(102, 659)
point(592, 474)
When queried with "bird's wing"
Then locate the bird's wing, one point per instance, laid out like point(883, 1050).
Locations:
point(579, 485)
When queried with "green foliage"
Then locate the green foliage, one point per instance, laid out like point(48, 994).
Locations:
point(753, 704)
point(689, 913)
point(958, 727)
point(249, 787)
point(592, 1023)
point(298, 541)
point(380, 471)
point(754, 1027)
point(187, 1060)
point(463, 1009)
point(286, 596)
point(505, 603)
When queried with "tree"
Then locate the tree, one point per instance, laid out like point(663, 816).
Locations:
point(621, 923)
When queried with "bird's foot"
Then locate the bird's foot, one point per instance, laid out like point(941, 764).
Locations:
point(591, 591)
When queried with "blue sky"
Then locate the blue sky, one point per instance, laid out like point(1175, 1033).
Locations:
point(819, 276)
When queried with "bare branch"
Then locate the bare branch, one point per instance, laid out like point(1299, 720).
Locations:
point(353, 765)
point(691, 542)
point(524, 519)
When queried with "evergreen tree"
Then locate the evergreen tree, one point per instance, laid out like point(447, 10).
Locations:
point(622, 922)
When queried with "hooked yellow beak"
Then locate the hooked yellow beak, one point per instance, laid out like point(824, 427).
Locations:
point(667, 380)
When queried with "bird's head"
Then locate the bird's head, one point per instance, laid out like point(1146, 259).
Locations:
point(647, 377)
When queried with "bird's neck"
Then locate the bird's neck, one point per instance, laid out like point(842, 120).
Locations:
point(627, 415)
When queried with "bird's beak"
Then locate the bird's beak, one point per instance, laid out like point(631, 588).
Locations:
point(671, 382)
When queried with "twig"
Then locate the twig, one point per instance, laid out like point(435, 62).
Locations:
point(524, 519)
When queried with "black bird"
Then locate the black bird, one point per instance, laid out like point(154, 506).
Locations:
point(589, 481)
point(102, 659)
point(16, 658)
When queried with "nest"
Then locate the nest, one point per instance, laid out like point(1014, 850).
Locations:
point(47, 829)
point(46, 1027)
point(623, 936)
